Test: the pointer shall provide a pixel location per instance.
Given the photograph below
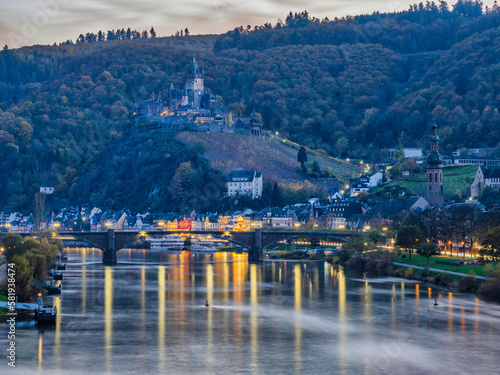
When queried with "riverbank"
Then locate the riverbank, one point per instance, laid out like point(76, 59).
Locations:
point(386, 264)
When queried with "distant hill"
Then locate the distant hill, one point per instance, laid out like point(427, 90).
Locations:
point(347, 86)
point(277, 160)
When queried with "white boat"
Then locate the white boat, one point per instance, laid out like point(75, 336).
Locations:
point(167, 243)
point(203, 246)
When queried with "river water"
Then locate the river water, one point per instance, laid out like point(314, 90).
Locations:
point(146, 315)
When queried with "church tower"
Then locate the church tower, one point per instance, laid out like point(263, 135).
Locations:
point(195, 84)
point(435, 171)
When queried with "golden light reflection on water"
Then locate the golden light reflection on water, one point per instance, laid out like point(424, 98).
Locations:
point(210, 298)
point(450, 311)
point(298, 318)
point(108, 318)
point(254, 316)
point(40, 352)
point(161, 318)
point(476, 317)
point(84, 282)
point(343, 354)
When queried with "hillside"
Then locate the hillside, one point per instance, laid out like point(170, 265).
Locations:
point(276, 159)
point(347, 86)
point(453, 178)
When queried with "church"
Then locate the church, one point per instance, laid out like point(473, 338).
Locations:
point(435, 195)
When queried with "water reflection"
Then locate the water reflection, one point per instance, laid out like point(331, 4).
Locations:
point(275, 317)
point(108, 318)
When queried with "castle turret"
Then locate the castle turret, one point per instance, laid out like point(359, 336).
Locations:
point(435, 171)
point(195, 84)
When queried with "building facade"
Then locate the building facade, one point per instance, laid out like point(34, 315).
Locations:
point(245, 182)
point(485, 177)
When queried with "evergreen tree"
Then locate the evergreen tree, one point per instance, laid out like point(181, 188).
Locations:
point(276, 196)
point(302, 156)
point(152, 32)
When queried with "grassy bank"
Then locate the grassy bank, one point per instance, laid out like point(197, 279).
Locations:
point(454, 264)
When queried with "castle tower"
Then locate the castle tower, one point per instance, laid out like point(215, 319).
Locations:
point(435, 171)
point(195, 84)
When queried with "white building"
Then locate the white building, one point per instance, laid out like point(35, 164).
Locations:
point(244, 182)
point(410, 153)
point(48, 187)
point(375, 179)
point(277, 221)
point(485, 177)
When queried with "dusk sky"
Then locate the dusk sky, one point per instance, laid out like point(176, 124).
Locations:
point(28, 22)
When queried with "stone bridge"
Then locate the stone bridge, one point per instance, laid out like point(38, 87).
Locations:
point(112, 241)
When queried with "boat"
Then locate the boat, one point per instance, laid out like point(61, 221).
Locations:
point(167, 243)
point(45, 313)
point(203, 246)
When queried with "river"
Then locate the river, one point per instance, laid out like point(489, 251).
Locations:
point(147, 315)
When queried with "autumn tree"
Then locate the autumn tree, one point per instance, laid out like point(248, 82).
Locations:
point(427, 249)
point(409, 237)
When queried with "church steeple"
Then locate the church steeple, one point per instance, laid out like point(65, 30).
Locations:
point(434, 171)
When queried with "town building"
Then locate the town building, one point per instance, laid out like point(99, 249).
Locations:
point(409, 153)
point(474, 152)
point(485, 177)
point(435, 195)
point(338, 213)
point(245, 182)
point(277, 221)
point(48, 187)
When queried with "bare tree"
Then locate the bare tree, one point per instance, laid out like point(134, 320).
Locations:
point(39, 212)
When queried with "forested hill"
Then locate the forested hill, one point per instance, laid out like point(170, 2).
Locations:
point(351, 85)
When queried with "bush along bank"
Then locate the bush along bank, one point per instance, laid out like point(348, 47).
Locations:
point(383, 264)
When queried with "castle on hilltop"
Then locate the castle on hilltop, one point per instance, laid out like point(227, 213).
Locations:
point(194, 108)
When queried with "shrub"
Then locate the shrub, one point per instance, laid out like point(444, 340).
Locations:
point(356, 262)
point(467, 284)
point(443, 279)
point(491, 288)
point(409, 272)
point(399, 272)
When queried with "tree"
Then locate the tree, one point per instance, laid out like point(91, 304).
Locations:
point(342, 146)
point(6, 47)
point(399, 154)
point(276, 196)
point(356, 244)
point(376, 236)
point(186, 32)
point(38, 264)
point(408, 237)
point(13, 245)
point(39, 211)
point(428, 249)
point(152, 32)
point(24, 276)
point(302, 156)
point(316, 168)
point(363, 196)
point(491, 244)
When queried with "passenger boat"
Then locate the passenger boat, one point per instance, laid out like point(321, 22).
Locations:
point(203, 246)
point(167, 243)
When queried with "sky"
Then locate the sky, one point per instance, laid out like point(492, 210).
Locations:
point(29, 22)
